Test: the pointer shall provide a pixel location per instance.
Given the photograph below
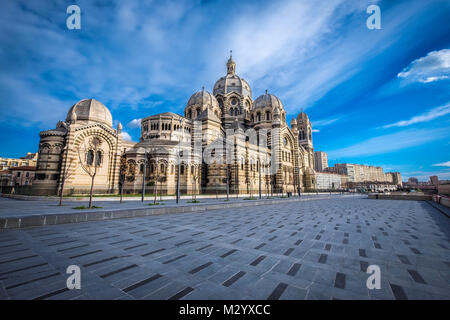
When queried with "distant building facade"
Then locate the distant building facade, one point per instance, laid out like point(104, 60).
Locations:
point(330, 181)
point(17, 176)
point(434, 180)
point(29, 160)
point(320, 160)
point(359, 175)
point(413, 181)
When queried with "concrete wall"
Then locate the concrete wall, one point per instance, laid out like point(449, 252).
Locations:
point(445, 201)
point(400, 196)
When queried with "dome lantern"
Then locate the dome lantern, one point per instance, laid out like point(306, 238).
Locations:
point(231, 65)
point(231, 82)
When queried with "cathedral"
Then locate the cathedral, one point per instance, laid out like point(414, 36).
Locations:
point(225, 142)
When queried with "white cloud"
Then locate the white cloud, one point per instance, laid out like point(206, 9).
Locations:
point(324, 122)
point(126, 136)
point(390, 143)
point(442, 164)
point(135, 123)
point(315, 130)
point(433, 79)
point(433, 67)
point(424, 117)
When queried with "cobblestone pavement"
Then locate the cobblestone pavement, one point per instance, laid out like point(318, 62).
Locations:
point(305, 250)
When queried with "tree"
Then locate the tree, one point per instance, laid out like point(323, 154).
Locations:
point(65, 174)
point(194, 181)
point(93, 159)
point(157, 177)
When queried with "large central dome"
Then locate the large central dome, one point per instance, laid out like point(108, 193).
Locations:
point(90, 110)
point(232, 82)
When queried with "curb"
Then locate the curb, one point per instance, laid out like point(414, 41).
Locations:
point(440, 208)
point(77, 217)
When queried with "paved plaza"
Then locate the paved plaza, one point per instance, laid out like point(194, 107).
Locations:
point(301, 250)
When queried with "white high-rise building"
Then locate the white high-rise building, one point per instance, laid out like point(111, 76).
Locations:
point(320, 160)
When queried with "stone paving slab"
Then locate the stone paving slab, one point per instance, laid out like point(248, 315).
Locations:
point(298, 250)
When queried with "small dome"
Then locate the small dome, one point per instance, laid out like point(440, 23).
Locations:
point(90, 110)
point(303, 115)
point(293, 122)
point(203, 98)
point(302, 118)
point(268, 100)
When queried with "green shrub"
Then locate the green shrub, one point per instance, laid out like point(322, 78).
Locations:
point(85, 207)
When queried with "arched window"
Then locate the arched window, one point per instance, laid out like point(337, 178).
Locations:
point(190, 114)
point(258, 116)
point(236, 112)
point(90, 158)
point(98, 160)
point(231, 111)
point(192, 169)
point(198, 111)
point(141, 168)
point(162, 168)
point(267, 115)
point(182, 169)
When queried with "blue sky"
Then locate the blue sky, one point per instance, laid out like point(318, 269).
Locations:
point(378, 97)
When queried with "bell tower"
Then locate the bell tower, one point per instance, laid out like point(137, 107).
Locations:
point(304, 131)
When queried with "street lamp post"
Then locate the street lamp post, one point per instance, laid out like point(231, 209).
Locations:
point(143, 175)
point(259, 171)
point(179, 161)
point(228, 181)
